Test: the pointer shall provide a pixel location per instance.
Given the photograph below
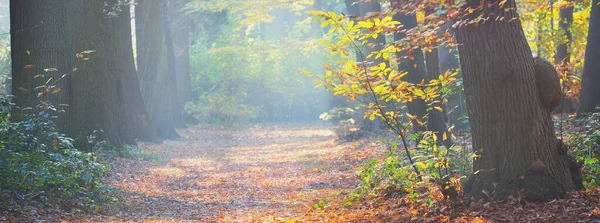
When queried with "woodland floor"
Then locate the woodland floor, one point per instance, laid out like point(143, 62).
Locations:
point(251, 174)
point(277, 174)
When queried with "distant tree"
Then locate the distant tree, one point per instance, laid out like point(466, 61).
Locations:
point(413, 62)
point(448, 60)
point(513, 134)
point(156, 70)
point(590, 93)
point(563, 54)
point(180, 24)
point(101, 93)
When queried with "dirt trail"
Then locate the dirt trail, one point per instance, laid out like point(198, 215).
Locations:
point(244, 175)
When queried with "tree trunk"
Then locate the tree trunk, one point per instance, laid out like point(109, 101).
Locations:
point(156, 79)
point(180, 32)
point(315, 27)
point(365, 9)
point(415, 66)
point(436, 121)
point(46, 35)
point(513, 134)
point(455, 109)
point(563, 56)
point(120, 61)
point(590, 93)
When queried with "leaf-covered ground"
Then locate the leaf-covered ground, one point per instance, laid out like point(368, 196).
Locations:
point(236, 175)
point(285, 174)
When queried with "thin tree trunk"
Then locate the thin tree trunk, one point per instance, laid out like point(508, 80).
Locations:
point(590, 92)
point(415, 66)
point(366, 9)
point(456, 108)
point(437, 120)
point(180, 32)
point(513, 135)
point(563, 55)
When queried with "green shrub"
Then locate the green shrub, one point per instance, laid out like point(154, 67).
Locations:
point(254, 81)
point(40, 166)
point(585, 148)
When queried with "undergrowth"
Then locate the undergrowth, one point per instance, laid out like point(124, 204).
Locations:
point(583, 140)
point(40, 167)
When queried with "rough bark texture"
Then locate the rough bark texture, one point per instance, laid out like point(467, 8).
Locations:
point(414, 67)
point(94, 94)
point(548, 83)
point(157, 81)
point(590, 92)
point(563, 55)
point(511, 129)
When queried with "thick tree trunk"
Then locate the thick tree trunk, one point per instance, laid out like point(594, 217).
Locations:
point(513, 134)
point(120, 61)
point(415, 67)
point(590, 92)
point(46, 35)
point(157, 81)
point(562, 55)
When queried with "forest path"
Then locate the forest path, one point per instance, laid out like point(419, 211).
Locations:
point(256, 174)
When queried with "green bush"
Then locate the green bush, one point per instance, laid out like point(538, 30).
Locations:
point(238, 81)
point(40, 166)
point(585, 148)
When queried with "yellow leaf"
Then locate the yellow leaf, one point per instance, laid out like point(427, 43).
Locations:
point(421, 165)
point(438, 108)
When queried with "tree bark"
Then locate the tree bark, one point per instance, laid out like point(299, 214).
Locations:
point(562, 55)
point(157, 81)
point(512, 132)
point(590, 93)
point(46, 35)
point(415, 67)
